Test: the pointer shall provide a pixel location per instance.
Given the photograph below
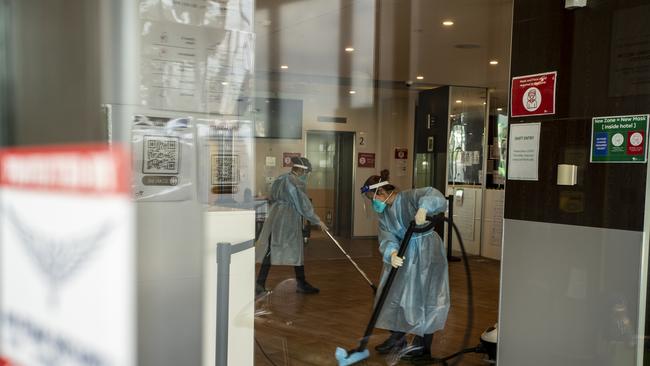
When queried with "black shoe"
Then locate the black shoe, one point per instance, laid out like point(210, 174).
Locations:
point(395, 341)
point(305, 288)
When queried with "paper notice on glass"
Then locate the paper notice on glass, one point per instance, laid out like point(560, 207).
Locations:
point(192, 68)
point(270, 161)
point(523, 162)
point(401, 167)
point(170, 74)
point(220, 14)
point(228, 71)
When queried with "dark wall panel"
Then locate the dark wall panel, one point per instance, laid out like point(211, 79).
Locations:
point(592, 49)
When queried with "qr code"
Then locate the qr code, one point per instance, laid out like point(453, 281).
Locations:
point(225, 169)
point(161, 155)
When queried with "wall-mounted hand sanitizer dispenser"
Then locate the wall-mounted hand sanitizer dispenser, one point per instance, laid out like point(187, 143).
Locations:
point(567, 175)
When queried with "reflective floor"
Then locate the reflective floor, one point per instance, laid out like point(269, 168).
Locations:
point(295, 329)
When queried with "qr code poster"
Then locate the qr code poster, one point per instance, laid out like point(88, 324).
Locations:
point(225, 170)
point(161, 155)
point(163, 167)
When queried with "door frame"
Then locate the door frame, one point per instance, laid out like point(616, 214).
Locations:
point(354, 170)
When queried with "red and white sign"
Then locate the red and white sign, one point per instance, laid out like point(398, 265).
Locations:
point(286, 158)
point(635, 144)
point(401, 154)
point(67, 272)
point(366, 160)
point(533, 95)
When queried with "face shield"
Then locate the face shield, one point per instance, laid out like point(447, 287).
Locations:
point(370, 193)
point(305, 172)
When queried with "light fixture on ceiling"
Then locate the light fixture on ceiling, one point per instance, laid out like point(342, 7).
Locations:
point(484, 103)
point(448, 23)
point(349, 49)
point(499, 109)
point(224, 83)
point(494, 62)
point(459, 101)
point(419, 77)
point(353, 92)
point(284, 67)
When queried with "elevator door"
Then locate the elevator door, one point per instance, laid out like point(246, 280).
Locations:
point(330, 185)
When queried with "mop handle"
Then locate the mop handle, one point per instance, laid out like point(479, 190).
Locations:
point(391, 277)
point(365, 276)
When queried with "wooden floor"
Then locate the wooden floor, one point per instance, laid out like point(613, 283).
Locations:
point(296, 329)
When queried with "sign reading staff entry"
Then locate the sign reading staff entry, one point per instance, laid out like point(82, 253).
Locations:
point(619, 139)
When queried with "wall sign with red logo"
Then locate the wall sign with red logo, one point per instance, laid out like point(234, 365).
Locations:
point(286, 159)
point(366, 160)
point(401, 154)
point(533, 95)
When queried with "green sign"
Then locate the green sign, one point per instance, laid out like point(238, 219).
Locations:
point(619, 139)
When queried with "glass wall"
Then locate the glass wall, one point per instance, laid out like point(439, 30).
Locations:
point(262, 124)
point(364, 67)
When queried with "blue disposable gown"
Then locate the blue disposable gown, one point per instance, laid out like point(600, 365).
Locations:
point(288, 205)
point(418, 301)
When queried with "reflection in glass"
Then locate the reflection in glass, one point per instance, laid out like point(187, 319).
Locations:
point(466, 126)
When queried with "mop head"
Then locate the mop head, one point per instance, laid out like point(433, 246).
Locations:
point(344, 359)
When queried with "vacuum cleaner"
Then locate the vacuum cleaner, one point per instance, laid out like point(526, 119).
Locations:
point(487, 346)
point(488, 342)
point(345, 358)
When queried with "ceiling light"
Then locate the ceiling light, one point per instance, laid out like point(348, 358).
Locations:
point(419, 77)
point(484, 103)
point(494, 62)
point(448, 23)
point(349, 49)
point(353, 92)
point(224, 83)
point(499, 109)
point(284, 67)
point(459, 101)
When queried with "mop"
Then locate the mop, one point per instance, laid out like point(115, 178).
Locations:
point(360, 353)
point(365, 276)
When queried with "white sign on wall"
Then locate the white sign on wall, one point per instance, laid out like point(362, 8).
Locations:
point(523, 161)
point(66, 257)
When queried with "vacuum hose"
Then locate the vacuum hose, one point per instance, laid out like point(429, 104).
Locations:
point(458, 356)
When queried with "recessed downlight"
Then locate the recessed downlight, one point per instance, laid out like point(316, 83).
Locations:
point(284, 67)
point(459, 101)
point(420, 77)
point(494, 62)
point(448, 23)
point(353, 92)
point(349, 49)
point(499, 109)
